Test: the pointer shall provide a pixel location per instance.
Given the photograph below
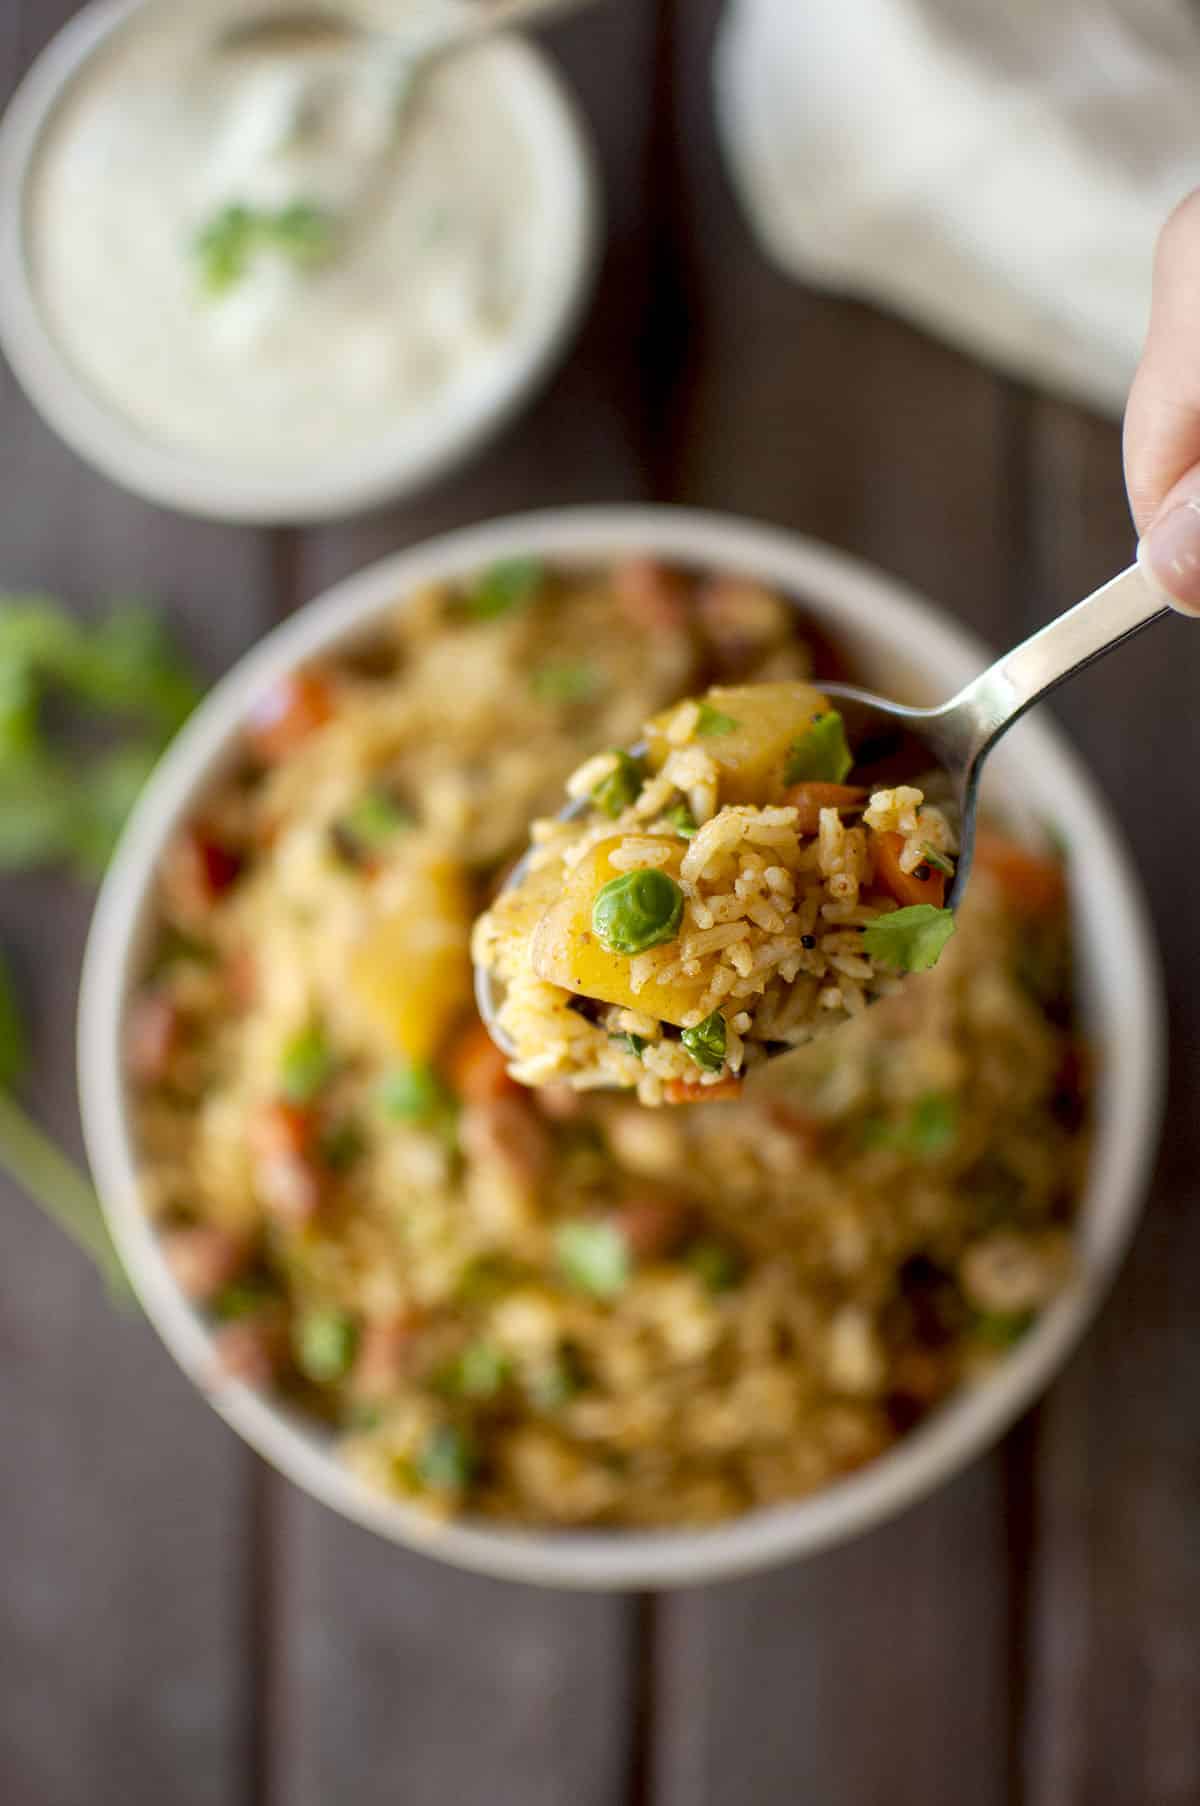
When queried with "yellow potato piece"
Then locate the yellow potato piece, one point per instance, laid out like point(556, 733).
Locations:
point(411, 972)
point(565, 950)
point(752, 756)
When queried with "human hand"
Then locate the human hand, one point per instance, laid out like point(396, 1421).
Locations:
point(1162, 420)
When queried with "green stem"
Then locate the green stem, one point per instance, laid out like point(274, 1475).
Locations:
point(52, 1180)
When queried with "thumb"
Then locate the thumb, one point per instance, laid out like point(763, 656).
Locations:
point(1162, 420)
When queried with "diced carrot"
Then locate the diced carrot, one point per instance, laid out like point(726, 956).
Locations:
point(906, 887)
point(810, 799)
point(680, 1091)
point(476, 1068)
point(651, 1226)
point(282, 1128)
point(293, 708)
point(152, 1037)
point(651, 595)
point(1033, 882)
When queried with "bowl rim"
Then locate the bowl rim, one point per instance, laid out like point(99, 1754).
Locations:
point(345, 482)
point(845, 592)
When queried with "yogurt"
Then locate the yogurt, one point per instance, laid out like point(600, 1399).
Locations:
point(270, 259)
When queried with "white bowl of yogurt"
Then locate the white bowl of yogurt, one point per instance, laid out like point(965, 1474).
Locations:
point(283, 286)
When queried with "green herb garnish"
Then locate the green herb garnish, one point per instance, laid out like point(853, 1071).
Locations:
point(622, 786)
point(1002, 1328)
point(716, 1265)
point(938, 860)
point(448, 1459)
point(415, 1094)
point(342, 1146)
point(504, 587)
point(479, 1372)
point(682, 820)
point(226, 246)
point(634, 1044)
point(561, 1379)
point(706, 1042)
point(821, 756)
point(594, 1257)
point(323, 1343)
point(306, 1064)
point(929, 1129)
point(566, 683)
point(637, 910)
point(711, 724)
point(909, 940)
point(375, 818)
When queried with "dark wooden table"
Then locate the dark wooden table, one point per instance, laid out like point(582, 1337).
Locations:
point(180, 1628)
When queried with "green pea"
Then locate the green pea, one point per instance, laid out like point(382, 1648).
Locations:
point(637, 910)
point(479, 1372)
point(622, 786)
point(706, 1042)
point(324, 1344)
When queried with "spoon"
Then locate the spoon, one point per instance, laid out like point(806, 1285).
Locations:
point(318, 28)
point(957, 735)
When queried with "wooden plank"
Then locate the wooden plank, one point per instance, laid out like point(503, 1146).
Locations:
point(880, 1670)
point(1114, 1681)
point(122, 1556)
point(395, 1678)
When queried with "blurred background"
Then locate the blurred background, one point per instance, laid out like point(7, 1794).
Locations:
point(175, 1621)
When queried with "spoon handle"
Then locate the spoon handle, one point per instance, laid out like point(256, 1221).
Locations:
point(975, 718)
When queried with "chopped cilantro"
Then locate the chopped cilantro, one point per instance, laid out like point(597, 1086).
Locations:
point(634, 1044)
point(909, 940)
point(706, 1042)
point(822, 755)
point(479, 1372)
point(505, 587)
point(578, 682)
point(416, 1094)
point(682, 820)
point(712, 724)
point(938, 860)
point(306, 1064)
point(594, 1257)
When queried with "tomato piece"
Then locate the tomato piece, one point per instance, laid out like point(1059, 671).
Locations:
point(283, 1128)
point(906, 887)
point(293, 708)
point(1033, 882)
point(810, 799)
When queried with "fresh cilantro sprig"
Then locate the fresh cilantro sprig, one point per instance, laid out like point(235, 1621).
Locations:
point(909, 940)
point(63, 801)
point(822, 755)
point(227, 244)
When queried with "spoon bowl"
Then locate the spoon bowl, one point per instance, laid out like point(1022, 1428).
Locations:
point(892, 742)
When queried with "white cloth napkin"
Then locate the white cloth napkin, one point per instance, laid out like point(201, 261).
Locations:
point(996, 171)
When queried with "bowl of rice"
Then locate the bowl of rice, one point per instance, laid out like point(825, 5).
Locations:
point(560, 1337)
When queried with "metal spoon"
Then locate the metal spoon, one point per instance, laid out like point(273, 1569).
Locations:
point(319, 28)
point(958, 735)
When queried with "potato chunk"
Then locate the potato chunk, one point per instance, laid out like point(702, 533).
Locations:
point(411, 972)
point(566, 951)
point(752, 728)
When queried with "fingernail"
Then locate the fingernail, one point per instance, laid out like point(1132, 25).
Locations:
point(1170, 552)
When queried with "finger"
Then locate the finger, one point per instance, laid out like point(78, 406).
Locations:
point(1162, 421)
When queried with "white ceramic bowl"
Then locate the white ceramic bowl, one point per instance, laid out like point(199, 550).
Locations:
point(383, 466)
point(1033, 773)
